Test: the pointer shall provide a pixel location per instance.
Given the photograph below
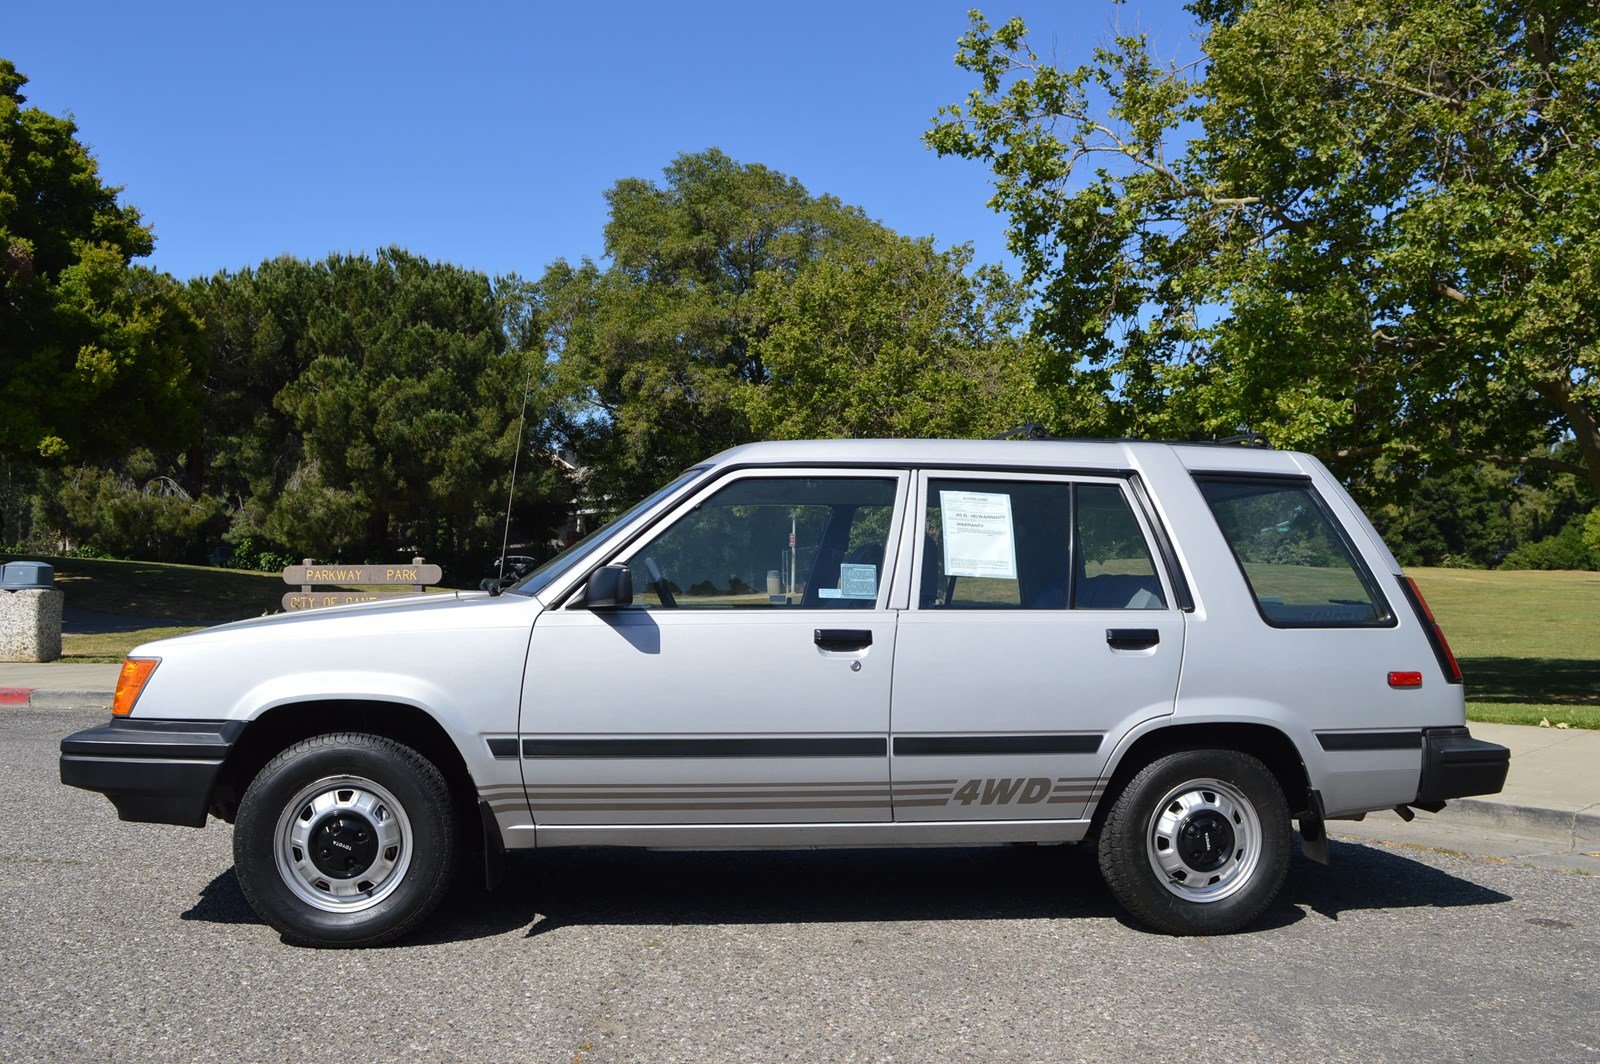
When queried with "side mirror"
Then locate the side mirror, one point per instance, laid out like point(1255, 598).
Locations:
point(609, 586)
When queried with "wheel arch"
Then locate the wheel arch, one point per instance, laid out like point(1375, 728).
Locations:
point(283, 725)
point(1265, 742)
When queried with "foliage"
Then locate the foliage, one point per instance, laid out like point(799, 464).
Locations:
point(112, 512)
point(736, 304)
point(1567, 549)
point(1378, 239)
point(260, 555)
point(891, 339)
point(82, 332)
point(369, 405)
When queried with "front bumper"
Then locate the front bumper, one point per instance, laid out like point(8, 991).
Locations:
point(1455, 765)
point(156, 771)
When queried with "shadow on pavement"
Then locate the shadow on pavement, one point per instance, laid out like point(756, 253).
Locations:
point(546, 892)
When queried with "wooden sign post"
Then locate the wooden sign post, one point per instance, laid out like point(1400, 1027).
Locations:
point(419, 575)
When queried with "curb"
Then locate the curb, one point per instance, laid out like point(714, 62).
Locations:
point(37, 699)
point(1575, 830)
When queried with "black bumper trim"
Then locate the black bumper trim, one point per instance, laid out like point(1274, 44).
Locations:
point(1369, 740)
point(154, 771)
point(1455, 765)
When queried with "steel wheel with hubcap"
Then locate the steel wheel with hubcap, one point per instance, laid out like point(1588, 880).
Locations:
point(345, 839)
point(1197, 842)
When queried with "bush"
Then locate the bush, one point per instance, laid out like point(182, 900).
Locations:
point(108, 514)
point(1567, 549)
point(261, 555)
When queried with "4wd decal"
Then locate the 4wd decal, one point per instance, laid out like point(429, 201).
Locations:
point(1003, 791)
point(1029, 790)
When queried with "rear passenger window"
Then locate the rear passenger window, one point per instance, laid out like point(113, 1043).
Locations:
point(1116, 571)
point(1299, 566)
point(1009, 545)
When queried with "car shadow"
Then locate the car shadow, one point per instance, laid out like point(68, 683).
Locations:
point(545, 893)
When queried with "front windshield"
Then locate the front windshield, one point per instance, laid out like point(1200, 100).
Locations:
point(546, 574)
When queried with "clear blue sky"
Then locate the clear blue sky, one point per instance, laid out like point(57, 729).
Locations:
point(486, 135)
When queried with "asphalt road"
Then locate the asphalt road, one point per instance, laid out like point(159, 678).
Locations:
point(133, 941)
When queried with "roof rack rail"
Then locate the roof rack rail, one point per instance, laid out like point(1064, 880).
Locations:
point(1244, 437)
point(1028, 430)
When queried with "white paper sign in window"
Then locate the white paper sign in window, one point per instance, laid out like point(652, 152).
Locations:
point(979, 539)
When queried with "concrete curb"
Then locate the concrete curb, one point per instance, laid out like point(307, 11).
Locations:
point(1578, 830)
point(37, 699)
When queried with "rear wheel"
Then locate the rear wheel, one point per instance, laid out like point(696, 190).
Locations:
point(1197, 842)
point(345, 839)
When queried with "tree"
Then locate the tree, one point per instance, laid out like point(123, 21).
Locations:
point(1379, 238)
point(656, 349)
point(895, 339)
point(370, 404)
point(95, 354)
point(737, 305)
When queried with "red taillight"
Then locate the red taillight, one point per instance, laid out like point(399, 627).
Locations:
point(1452, 670)
point(1405, 679)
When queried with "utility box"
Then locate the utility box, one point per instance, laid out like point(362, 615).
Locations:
point(15, 576)
point(30, 612)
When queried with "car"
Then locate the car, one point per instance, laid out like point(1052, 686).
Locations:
point(1180, 652)
point(507, 571)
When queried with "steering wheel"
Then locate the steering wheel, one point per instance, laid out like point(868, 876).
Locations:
point(662, 588)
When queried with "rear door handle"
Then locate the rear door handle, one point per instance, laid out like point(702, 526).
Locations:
point(1132, 638)
point(843, 638)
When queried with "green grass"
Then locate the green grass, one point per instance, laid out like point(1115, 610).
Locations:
point(111, 646)
point(1528, 642)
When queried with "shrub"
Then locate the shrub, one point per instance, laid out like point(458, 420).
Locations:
point(1567, 549)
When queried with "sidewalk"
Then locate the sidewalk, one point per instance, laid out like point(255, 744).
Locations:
point(1553, 791)
point(55, 684)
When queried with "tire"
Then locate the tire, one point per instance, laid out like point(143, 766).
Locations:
point(345, 839)
point(1197, 843)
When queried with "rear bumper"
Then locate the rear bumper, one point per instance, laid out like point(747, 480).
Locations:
point(155, 771)
point(1455, 765)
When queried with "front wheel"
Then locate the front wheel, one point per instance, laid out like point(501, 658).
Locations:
point(345, 839)
point(1197, 843)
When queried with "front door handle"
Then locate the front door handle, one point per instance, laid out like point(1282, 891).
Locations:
point(843, 638)
point(1132, 638)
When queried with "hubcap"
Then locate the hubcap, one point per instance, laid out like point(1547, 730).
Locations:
point(1204, 840)
point(343, 844)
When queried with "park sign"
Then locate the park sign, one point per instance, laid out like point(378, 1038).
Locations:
point(418, 575)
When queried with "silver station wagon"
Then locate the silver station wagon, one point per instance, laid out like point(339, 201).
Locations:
point(1175, 651)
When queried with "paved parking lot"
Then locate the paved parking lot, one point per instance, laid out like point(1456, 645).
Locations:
point(128, 940)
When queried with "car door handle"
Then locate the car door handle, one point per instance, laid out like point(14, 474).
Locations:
point(843, 638)
point(1132, 638)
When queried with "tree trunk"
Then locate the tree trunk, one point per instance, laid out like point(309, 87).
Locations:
point(1585, 427)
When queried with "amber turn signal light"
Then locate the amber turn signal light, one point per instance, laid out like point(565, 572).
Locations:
point(130, 682)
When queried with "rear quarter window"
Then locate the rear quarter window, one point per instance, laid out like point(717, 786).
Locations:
point(1299, 564)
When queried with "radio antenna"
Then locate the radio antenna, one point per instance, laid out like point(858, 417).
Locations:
point(511, 491)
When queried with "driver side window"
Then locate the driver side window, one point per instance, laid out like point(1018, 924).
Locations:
point(765, 542)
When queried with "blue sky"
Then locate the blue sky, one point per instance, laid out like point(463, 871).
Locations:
point(487, 134)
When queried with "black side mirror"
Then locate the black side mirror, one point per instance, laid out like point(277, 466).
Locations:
point(609, 586)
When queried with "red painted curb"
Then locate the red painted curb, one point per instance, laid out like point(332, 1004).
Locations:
point(15, 696)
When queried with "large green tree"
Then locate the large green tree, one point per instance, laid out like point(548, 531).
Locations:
point(1367, 227)
point(737, 305)
point(363, 405)
point(95, 354)
point(893, 339)
point(655, 348)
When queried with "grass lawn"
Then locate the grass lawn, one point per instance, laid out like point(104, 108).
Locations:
point(1528, 642)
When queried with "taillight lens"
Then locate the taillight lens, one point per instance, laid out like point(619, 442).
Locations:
point(1441, 645)
point(130, 683)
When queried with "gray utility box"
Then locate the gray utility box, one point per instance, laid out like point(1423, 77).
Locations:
point(30, 612)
